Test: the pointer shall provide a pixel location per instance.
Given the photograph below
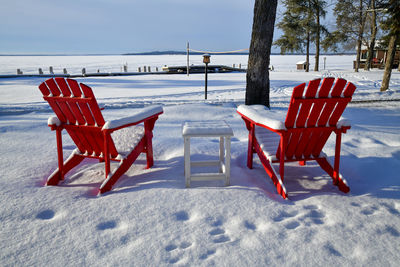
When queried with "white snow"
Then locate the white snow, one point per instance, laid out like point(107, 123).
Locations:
point(53, 120)
point(135, 118)
point(261, 114)
point(206, 128)
point(151, 219)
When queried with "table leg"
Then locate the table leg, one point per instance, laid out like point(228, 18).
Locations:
point(221, 153)
point(186, 153)
point(227, 159)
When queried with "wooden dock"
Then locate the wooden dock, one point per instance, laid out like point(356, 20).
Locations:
point(165, 70)
point(201, 69)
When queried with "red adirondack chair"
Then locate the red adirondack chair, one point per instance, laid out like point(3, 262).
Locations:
point(311, 118)
point(79, 114)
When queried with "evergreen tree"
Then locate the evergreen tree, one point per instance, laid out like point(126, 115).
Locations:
point(257, 78)
point(350, 23)
point(301, 25)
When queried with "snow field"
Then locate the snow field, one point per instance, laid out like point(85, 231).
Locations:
point(151, 219)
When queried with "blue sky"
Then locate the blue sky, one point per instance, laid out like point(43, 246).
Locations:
point(121, 26)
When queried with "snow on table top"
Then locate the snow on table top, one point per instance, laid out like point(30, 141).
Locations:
point(206, 128)
point(260, 114)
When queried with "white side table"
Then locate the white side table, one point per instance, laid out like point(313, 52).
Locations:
point(208, 129)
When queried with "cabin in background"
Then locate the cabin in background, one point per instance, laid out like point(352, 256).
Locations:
point(379, 56)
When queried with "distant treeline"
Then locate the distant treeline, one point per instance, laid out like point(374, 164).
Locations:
point(198, 53)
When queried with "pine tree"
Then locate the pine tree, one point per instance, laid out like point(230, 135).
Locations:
point(257, 78)
point(301, 25)
point(350, 23)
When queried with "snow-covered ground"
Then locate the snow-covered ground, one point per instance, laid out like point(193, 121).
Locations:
point(151, 219)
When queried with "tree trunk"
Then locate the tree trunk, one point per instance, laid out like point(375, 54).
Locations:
point(373, 36)
point(360, 36)
point(317, 40)
point(308, 52)
point(358, 54)
point(257, 86)
point(389, 62)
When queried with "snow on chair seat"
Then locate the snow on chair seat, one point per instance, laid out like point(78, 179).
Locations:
point(313, 114)
point(78, 113)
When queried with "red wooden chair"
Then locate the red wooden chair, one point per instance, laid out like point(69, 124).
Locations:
point(79, 114)
point(312, 116)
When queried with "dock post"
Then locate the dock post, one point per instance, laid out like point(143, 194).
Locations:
point(187, 59)
point(139, 70)
point(19, 72)
point(149, 69)
point(65, 71)
point(51, 70)
point(125, 68)
point(40, 71)
point(83, 71)
point(156, 69)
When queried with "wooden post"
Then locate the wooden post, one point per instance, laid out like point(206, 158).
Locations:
point(19, 72)
point(51, 70)
point(125, 68)
point(240, 65)
point(139, 70)
point(149, 69)
point(144, 69)
point(156, 69)
point(83, 71)
point(187, 59)
point(40, 71)
point(65, 71)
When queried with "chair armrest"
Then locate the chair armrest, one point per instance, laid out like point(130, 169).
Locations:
point(53, 121)
point(136, 118)
point(261, 115)
point(343, 123)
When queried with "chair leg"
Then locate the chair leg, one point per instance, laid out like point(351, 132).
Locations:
point(148, 132)
point(334, 171)
point(58, 174)
point(126, 163)
point(276, 179)
point(336, 177)
point(149, 150)
point(250, 149)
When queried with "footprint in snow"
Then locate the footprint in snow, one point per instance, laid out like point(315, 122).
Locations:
point(284, 215)
point(209, 253)
point(45, 215)
point(182, 216)
point(369, 210)
point(292, 225)
point(217, 231)
point(222, 239)
point(174, 249)
point(106, 225)
point(249, 225)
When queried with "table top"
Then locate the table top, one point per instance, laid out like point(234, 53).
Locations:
point(206, 128)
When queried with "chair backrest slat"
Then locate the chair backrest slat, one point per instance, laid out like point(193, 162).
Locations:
point(305, 108)
point(86, 113)
point(294, 106)
point(94, 107)
point(66, 91)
